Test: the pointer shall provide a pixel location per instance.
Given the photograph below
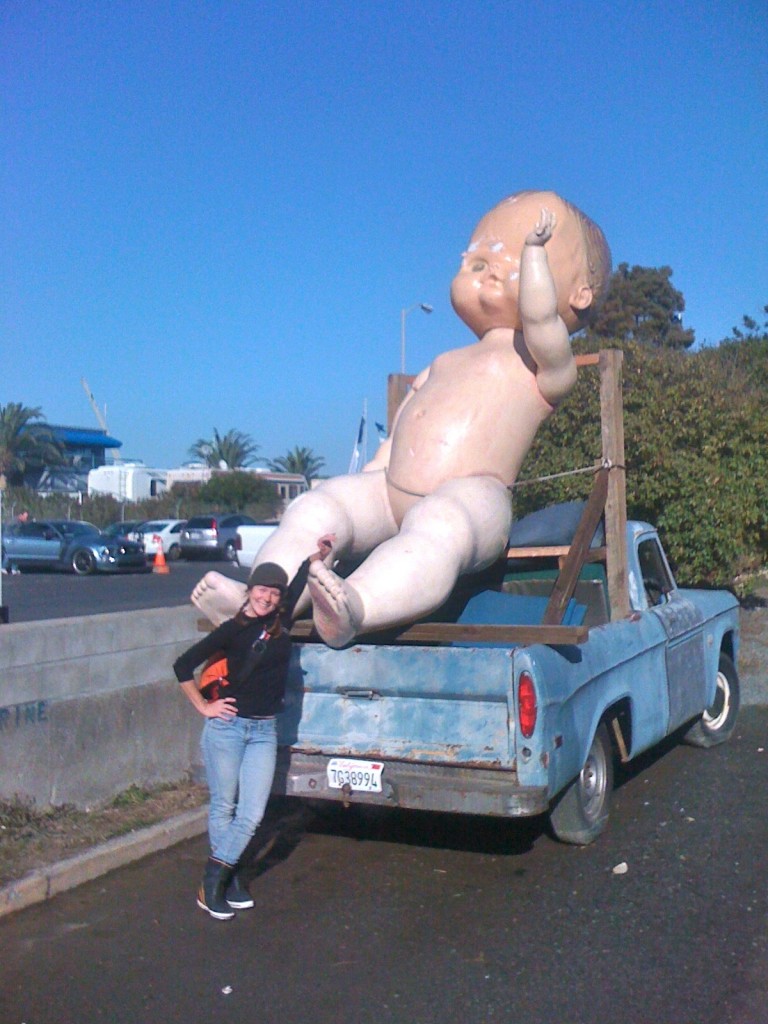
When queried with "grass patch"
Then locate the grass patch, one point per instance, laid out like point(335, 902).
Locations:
point(33, 837)
point(22, 813)
point(132, 796)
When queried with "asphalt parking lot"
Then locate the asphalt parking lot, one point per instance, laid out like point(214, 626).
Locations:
point(32, 596)
point(393, 917)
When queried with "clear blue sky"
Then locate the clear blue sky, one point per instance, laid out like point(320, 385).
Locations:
point(215, 212)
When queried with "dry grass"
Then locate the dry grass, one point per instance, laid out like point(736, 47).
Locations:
point(32, 838)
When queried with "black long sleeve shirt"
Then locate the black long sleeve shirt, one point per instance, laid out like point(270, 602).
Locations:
point(257, 677)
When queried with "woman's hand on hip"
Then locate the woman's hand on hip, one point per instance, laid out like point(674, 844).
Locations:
point(225, 707)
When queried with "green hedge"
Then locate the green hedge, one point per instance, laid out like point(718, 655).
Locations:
point(695, 429)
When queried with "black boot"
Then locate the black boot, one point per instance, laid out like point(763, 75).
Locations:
point(210, 895)
point(237, 895)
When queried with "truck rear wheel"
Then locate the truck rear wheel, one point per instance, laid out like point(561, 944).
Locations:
point(719, 719)
point(580, 812)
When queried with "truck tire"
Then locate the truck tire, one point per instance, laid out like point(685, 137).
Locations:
point(719, 719)
point(580, 812)
point(230, 551)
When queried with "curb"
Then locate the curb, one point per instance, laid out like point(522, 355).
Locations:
point(42, 884)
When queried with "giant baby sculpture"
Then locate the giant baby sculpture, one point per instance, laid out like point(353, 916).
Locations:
point(434, 503)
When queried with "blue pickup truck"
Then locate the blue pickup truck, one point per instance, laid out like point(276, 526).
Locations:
point(484, 710)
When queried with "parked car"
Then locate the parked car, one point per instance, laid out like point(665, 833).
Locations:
point(125, 528)
point(213, 536)
point(169, 533)
point(69, 544)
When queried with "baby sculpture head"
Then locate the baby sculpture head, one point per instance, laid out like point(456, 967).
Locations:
point(485, 291)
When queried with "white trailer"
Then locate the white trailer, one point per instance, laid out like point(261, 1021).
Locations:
point(127, 482)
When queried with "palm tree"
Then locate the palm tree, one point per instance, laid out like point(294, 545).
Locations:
point(300, 460)
point(233, 450)
point(24, 442)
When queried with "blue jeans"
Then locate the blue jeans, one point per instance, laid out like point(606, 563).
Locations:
point(239, 757)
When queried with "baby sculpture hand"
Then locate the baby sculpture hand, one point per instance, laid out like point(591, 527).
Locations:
point(542, 232)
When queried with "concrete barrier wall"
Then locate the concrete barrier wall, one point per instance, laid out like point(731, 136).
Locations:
point(90, 706)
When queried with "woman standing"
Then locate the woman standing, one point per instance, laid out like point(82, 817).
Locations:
point(239, 740)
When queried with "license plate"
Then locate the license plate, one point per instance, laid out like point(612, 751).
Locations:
point(363, 776)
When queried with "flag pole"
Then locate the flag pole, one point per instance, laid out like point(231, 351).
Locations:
point(365, 431)
point(354, 462)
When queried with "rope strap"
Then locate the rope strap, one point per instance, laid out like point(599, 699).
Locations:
point(603, 464)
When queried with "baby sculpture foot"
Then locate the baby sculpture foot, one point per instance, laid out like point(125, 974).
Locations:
point(336, 606)
point(218, 597)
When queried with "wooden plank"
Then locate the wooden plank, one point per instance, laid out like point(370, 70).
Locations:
point(593, 555)
point(397, 389)
point(565, 584)
point(612, 428)
point(434, 632)
point(542, 552)
point(589, 359)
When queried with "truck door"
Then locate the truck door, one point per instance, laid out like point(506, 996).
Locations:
point(684, 626)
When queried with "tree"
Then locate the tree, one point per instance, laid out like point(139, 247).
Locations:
point(745, 352)
point(24, 441)
point(236, 491)
point(300, 460)
point(642, 305)
point(750, 329)
point(234, 449)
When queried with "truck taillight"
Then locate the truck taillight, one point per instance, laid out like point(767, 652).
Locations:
point(526, 704)
point(215, 527)
point(238, 542)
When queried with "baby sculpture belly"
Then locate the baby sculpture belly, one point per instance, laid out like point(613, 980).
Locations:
point(467, 427)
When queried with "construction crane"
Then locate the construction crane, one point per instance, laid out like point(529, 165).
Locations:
point(100, 416)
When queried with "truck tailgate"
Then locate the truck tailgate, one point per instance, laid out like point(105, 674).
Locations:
point(449, 705)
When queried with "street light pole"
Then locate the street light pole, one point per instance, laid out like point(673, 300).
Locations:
point(3, 609)
point(403, 314)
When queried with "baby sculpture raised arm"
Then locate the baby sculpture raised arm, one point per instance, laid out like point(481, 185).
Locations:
point(434, 503)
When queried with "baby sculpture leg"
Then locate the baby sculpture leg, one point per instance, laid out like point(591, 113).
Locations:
point(354, 508)
point(462, 527)
point(218, 597)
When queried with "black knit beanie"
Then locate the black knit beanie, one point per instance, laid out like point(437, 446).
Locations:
point(268, 574)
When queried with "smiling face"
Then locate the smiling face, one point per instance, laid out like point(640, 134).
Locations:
point(485, 292)
point(262, 601)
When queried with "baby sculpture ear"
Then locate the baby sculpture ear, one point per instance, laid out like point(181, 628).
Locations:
point(581, 298)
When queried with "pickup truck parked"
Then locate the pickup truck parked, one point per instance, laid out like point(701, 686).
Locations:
point(505, 716)
point(517, 697)
point(248, 541)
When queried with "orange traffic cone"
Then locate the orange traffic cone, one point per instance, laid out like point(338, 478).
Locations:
point(160, 565)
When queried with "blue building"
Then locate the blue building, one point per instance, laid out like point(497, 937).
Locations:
point(83, 450)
